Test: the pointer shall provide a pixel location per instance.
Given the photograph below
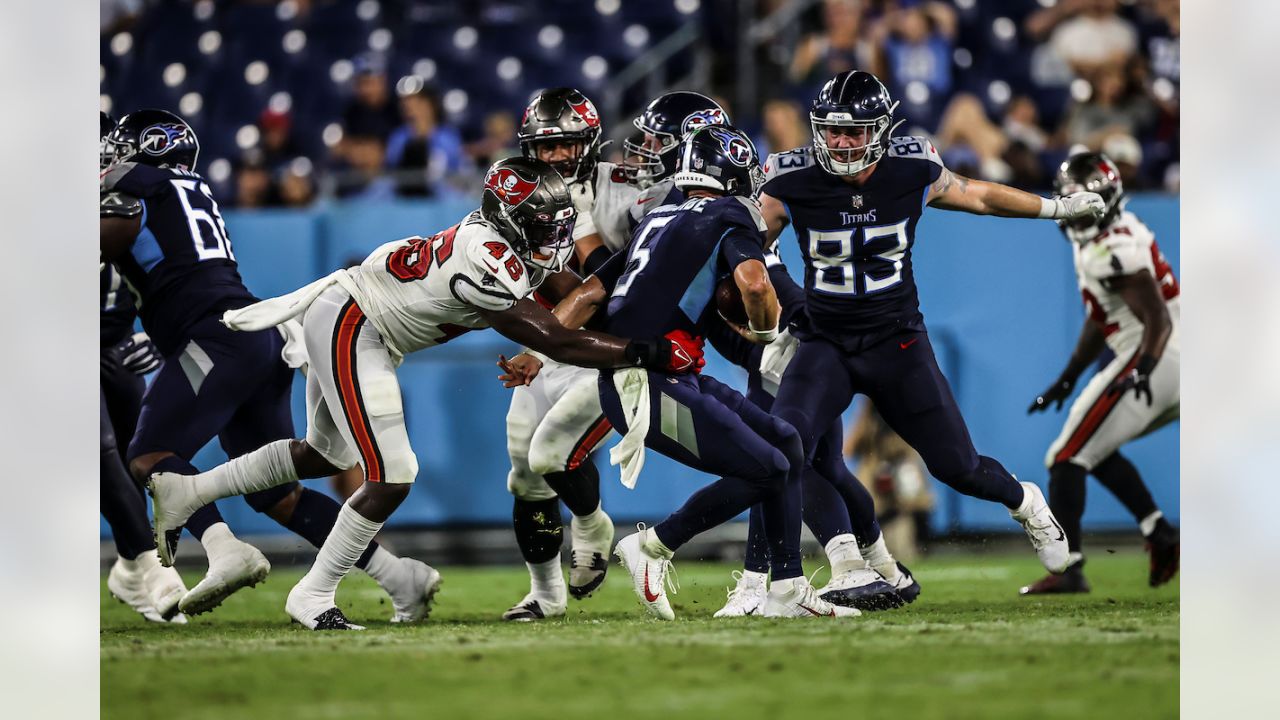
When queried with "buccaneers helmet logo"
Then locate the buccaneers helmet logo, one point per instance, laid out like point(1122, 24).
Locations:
point(586, 111)
point(510, 188)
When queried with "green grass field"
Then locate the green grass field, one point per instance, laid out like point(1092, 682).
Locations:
point(968, 648)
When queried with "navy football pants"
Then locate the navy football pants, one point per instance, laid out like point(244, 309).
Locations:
point(901, 376)
point(120, 498)
point(707, 425)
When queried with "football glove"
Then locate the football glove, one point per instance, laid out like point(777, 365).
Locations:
point(1138, 379)
point(678, 352)
point(1058, 392)
point(138, 354)
point(1072, 206)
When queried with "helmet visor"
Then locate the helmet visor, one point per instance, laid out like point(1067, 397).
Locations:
point(551, 241)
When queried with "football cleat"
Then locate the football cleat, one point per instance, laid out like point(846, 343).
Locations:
point(588, 561)
point(315, 613)
point(1046, 535)
point(1164, 546)
point(125, 583)
point(173, 499)
point(747, 595)
point(906, 585)
point(164, 588)
point(413, 590)
point(239, 565)
point(1070, 580)
point(863, 588)
point(534, 607)
point(796, 598)
point(650, 574)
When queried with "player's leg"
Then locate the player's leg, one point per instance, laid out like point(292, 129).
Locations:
point(535, 511)
point(902, 378)
point(1119, 476)
point(362, 382)
point(560, 452)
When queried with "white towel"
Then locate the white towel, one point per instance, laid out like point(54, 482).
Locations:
point(773, 362)
point(632, 385)
point(294, 352)
point(274, 311)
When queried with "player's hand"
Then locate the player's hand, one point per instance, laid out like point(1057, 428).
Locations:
point(1080, 204)
point(519, 370)
point(138, 354)
point(1138, 379)
point(759, 338)
point(678, 352)
point(1058, 392)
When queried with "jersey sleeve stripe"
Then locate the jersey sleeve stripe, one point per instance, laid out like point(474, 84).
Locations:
point(350, 320)
point(698, 294)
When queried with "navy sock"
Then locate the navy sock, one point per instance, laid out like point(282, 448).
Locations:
point(824, 509)
point(313, 518)
point(713, 505)
point(757, 556)
point(1119, 476)
point(1066, 499)
point(123, 506)
point(782, 518)
point(205, 517)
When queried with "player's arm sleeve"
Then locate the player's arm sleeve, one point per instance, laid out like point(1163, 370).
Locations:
point(610, 272)
point(740, 245)
point(790, 294)
point(130, 178)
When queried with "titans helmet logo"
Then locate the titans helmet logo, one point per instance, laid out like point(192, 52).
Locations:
point(734, 147)
point(703, 118)
point(156, 139)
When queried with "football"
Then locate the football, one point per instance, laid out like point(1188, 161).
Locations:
point(729, 302)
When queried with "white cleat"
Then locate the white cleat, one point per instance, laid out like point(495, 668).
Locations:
point(412, 590)
point(173, 499)
point(796, 598)
point(648, 573)
point(125, 583)
point(1043, 529)
point(535, 607)
point(588, 561)
point(316, 613)
point(164, 587)
point(747, 596)
point(236, 566)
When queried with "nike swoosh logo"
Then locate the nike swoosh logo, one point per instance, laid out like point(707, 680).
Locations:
point(648, 595)
point(641, 202)
point(818, 614)
point(492, 269)
point(907, 344)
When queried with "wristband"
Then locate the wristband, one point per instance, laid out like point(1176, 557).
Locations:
point(764, 336)
point(595, 259)
point(1050, 208)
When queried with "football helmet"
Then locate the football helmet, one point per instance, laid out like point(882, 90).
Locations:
point(857, 105)
point(1090, 172)
point(529, 205)
point(663, 124)
point(153, 137)
point(559, 115)
point(719, 158)
point(106, 124)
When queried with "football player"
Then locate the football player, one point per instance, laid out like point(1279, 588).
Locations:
point(855, 197)
point(170, 243)
point(358, 324)
point(661, 127)
point(664, 284)
point(1131, 300)
point(136, 578)
point(555, 423)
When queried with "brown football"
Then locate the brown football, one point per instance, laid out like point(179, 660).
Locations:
point(729, 301)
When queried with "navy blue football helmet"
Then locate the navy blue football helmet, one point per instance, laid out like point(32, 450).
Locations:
point(153, 137)
point(857, 105)
point(664, 123)
point(719, 158)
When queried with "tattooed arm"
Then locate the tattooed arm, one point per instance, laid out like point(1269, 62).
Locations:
point(956, 192)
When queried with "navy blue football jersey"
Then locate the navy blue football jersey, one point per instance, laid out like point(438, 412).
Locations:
point(741, 351)
point(677, 256)
point(117, 310)
point(181, 264)
point(857, 239)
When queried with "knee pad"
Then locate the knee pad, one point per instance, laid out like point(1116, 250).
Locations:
point(525, 485)
point(263, 500)
point(539, 529)
point(402, 469)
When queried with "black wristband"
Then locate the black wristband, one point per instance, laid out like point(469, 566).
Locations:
point(649, 354)
point(1147, 363)
point(595, 259)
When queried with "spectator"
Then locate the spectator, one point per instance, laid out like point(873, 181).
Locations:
point(277, 143)
point(422, 151)
point(1112, 107)
point(1088, 35)
point(296, 188)
point(1126, 152)
point(498, 141)
point(971, 144)
point(917, 41)
point(370, 113)
point(253, 181)
point(839, 47)
point(361, 176)
point(786, 127)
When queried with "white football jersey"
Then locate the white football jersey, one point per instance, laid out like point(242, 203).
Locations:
point(603, 206)
point(422, 292)
point(1124, 248)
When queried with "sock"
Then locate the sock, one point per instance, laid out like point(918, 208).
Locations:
point(1149, 523)
point(217, 538)
point(579, 488)
point(124, 508)
point(547, 579)
point(313, 518)
point(842, 553)
point(881, 560)
point(823, 509)
point(348, 540)
point(1119, 476)
point(379, 563)
point(539, 529)
point(756, 559)
point(591, 521)
point(1066, 499)
point(1074, 557)
point(654, 545)
point(783, 514)
point(713, 505)
point(266, 467)
point(204, 518)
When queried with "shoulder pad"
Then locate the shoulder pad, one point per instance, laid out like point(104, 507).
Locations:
point(753, 212)
point(493, 265)
point(916, 148)
point(779, 164)
point(114, 204)
point(141, 181)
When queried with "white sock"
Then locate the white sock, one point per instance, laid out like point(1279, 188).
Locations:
point(264, 468)
point(145, 560)
point(650, 543)
point(1074, 557)
point(880, 560)
point(350, 535)
point(588, 523)
point(217, 539)
point(842, 553)
point(547, 579)
point(1148, 523)
point(382, 565)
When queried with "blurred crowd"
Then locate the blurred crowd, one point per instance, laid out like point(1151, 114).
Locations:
point(1003, 96)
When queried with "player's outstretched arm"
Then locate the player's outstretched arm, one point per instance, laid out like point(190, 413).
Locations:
point(1088, 347)
point(577, 307)
point(956, 192)
point(760, 301)
point(775, 217)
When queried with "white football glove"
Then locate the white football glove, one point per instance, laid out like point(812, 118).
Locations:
point(138, 354)
point(1070, 207)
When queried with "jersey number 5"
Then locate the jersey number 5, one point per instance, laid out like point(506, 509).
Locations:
point(413, 261)
point(836, 266)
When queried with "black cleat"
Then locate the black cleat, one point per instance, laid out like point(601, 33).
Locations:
point(1164, 546)
point(333, 619)
point(525, 612)
point(907, 587)
point(584, 579)
point(1070, 581)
